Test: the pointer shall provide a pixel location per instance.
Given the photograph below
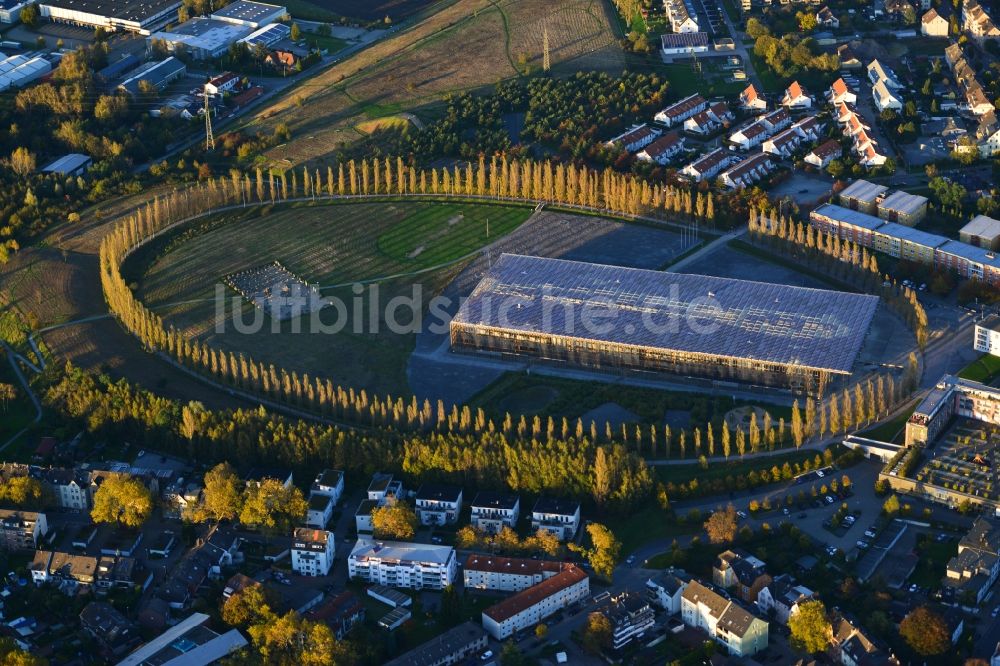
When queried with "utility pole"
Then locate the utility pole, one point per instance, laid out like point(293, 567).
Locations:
point(209, 137)
point(546, 60)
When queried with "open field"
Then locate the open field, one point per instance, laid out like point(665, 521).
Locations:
point(465, 46)
point(333, 246)
point(370, 11)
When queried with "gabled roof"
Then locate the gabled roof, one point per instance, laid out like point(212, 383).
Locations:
point(839, 87)
point(831, 147)
point(795, 90)
point(931, 15)
point(749, 94)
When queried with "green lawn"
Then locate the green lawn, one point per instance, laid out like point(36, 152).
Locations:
point(736, 468)
point(324, 42)
point(685, 80)
point(648, 525)
point(984, 369)
point(892, 430)
point(933, 559)
point(307, 11)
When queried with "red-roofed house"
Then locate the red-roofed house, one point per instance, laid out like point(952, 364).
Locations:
point(839, 93)
point(223, 83)
point(796, 97)
point(752, 101)
point(46, 448)
point(661, 150)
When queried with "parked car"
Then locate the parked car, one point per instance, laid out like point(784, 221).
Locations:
point(741, 514)
point(870, 533)
point(862, 544)
point(829, 500)
point(486, 655)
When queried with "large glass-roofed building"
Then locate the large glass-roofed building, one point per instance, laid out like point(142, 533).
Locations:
point(609, 317)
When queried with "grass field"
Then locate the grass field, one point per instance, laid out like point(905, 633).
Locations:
point(683, 473)
point(334, 245)
point(464, 46)
point(892, 430)
point(984, 369)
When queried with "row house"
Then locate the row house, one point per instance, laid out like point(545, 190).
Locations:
point(977, 23)
point(852, 646)
point(741, 571)
point(755, 133)
point(742, 633)
point(709, 120)
point(841, 93)
point(559, 517)
point(680, 111)
point(663, 149)
point(783, 596)
point(492, 511)
point(988, 135)
point(681, 16)
point(784, 143)
point(750, 100)
point(708, 166)
point(506, 574)
point(438, 504)
point(635, 138)
point(879, 72)
point(884, 98)
point(533, 605)
point(822, 155)
point(795, 97)
point(67, 571)
point(976, 101)
point(748, 172)
point(341, 613)
point(22, 530)
point(416, 566)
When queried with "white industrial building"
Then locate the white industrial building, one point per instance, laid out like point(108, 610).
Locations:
point(250, 14)
point(202, 38)
point(268, 35)
point(10, 10)
point(73, 164)
point(158, 74)
point(416, 566)
point(141, 16)
point(312, 551)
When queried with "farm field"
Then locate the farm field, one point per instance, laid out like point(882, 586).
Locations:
point(399, 246)
point(370, 11)
point(416, 68)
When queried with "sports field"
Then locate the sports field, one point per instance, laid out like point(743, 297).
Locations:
point(392, 244)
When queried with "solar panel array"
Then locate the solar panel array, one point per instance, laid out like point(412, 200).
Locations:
point(757, 321)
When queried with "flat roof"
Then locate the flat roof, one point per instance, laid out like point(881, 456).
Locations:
point(401, 551)
point(188, 642)
point(438, 649)
point(971, 253)
point(67, 163)
point(904, 202)
point(862, 190)
point(684, 39)
point(205, 33)
point(855, 218)
point(696, 314)
point(983, 226)
point(124, 10)
point(903, 232)
point(245, 10)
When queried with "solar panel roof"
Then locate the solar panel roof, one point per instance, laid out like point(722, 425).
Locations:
point(701, 314)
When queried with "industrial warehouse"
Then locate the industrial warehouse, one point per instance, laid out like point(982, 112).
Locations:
point(624, 319)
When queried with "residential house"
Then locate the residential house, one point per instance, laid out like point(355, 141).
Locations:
point(184, 580)
point(70, 489)
point(319, 511)
point(741, 632)
point(121, 572)
point(438, 504)
point(981, 231)
point(877, 71)
point(976, 100)
point(848, 59)
point(748, 171)
point(329, 482)
point(988, 135)
point(884, 98)
point(751, 101)
point(341, 613)
point(683, 43)
point(851, 646)
point(741, 571)
point(635, 138)
point(933, 24)
point(976, 567)
point(662, 150)
point(783, 596)
point(397, 564)
point(840, 93)
point(531, 606)
point(897, 10)
point(822, 155)
point(665, 589)
point(226, 82)
point(977, 23)
point(902, 207)
point(827, 19)
point(257, 475)
point(180, 497)
point(492, 511)
point(112, 630)
point(680, 111)
point(506, 574)
point(630, 616)
point(458, 645)
point(382, 490)
point(22, 530)
point(281, 59)
point(558, 516)
point(795, 97)
point(681, 16)
point(709, 165)
point(312, 551)
point(69, 572)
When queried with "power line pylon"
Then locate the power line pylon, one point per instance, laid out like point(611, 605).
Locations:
point(546, 60)
point(209, 137)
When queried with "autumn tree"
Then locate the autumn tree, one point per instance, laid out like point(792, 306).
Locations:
point(546, 542)
point(222, 498)
point(22, 161)
point(925, 631)
point(395, 520)
point(291, 640)
point(596, 633)
point(12, 655)
point(272, 507)
point(21, 491)
point(247, 607)
point(810, 627)
point(721, 525)
point(122, 500)
point(603, 552)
